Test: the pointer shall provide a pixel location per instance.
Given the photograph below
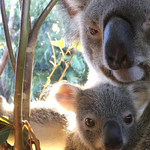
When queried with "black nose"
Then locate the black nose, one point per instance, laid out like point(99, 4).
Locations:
point(118, 44)
point(112, 136)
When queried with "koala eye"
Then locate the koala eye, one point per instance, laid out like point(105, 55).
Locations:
point(89, 122)
point(94, 32)
point(128, 119)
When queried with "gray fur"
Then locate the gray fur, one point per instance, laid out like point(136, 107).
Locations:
point(96, 13)
point(141, 139)
point(102, 103)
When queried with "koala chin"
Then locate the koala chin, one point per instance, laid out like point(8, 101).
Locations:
point(128, 75)
point(132, 74)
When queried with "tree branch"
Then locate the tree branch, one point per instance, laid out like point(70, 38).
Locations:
point(29, 60)
point(30, 56)
point(20, 74)
point(42, 17)
point(7, 35)
point(5, 55)
point(10, 27)
point(4, 60)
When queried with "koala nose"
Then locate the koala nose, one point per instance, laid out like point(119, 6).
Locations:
point(118, 44)
point(112, 136)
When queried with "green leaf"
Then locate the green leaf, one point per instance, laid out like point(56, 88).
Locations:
point(4, 133)
point(77, 63)
point(71, 76)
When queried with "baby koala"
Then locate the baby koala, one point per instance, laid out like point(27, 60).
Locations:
point(106, 115)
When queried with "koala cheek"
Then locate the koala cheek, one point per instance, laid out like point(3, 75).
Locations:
point(94, 54)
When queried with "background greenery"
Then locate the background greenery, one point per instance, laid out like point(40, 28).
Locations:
point(53, 25)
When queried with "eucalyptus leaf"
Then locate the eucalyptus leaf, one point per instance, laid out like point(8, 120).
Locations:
point(4, 135)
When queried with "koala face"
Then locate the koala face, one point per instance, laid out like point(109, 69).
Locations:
point(115, 36)
point(106, 115)
point(105, 118)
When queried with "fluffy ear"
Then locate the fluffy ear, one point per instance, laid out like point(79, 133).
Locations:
point(71, 10)
point(66, 96)
point(140, 92)
point(75, 6)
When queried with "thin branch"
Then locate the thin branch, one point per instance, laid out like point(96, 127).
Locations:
point(42, 17)
point(19, 75)
point(7, 35)
point(29, 59)
point(54, 56)
point(6, 146)
point(67, 65)
point(10, 26)
point(34, 32)
point(30, 56)
point(4, 60)
point(55, 67)
point(31, 47)
point(27, 125)
point(5, 55)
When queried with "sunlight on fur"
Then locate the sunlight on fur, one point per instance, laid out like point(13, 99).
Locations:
point(52, 103)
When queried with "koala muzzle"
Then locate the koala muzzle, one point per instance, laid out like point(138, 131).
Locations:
point(112, 136)
point(118, 44)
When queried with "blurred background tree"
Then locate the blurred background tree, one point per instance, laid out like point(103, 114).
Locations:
point(43, 58)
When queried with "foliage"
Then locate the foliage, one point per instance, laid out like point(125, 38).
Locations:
point(76, 73)
point(4, 135)
point(5, 129)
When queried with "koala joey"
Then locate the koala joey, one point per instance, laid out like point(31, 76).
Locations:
point(106, 115)
point(115, 36)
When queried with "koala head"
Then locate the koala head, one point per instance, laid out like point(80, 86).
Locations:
point(115, 36)
point(106, 115)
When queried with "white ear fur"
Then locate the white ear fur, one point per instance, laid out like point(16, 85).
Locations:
point(66, 95)
point(76, 5)
point(141, 96)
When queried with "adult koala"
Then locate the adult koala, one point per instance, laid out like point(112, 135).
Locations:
point(115, 36)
